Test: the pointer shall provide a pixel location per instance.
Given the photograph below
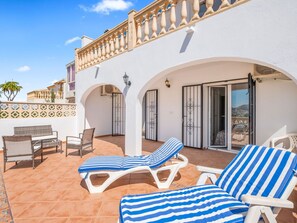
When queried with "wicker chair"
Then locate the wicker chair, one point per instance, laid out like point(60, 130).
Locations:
point(19, 148)
point(84, 141)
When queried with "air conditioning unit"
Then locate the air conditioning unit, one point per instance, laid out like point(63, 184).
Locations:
point(107, 90)
point(263, 72)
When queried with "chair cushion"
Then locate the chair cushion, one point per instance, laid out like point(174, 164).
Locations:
point(111, 163)
point(258, 170)
point(207, 203)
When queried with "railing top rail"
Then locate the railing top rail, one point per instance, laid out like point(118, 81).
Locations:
point(39, 103)
point(110, 32)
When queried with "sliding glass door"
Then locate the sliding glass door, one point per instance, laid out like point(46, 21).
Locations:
point(218, 118)
point(231, 114)
point(239, 115)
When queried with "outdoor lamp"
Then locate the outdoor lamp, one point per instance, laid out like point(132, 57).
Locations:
point(126, 80)
point(167, 83)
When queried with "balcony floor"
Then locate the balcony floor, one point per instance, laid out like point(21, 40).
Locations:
point(54, 191)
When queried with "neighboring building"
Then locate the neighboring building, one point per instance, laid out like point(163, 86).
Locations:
point(70, 82)
point(52, 94)
point(216, 76)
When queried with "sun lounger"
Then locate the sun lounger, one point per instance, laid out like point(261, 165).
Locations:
point(117, 166)
point(256, 184)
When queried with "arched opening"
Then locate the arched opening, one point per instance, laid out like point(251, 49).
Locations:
point(105, 111)
point(223, 103)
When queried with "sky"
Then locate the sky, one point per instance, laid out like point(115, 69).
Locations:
point(38, 37)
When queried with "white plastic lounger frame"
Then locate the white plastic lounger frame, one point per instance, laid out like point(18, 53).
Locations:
point(180, 162)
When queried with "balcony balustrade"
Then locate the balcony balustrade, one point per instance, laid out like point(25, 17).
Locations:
point(159, 18)
point(44, 94)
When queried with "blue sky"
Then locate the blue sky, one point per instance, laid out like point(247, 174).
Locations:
point(34, 34)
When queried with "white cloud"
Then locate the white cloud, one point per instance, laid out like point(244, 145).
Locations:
point(106, 6)
point(54, 81)
point(23, 68)
point(69, 41)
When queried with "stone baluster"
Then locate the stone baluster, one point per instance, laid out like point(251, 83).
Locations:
point(103, 50)
point(209, 5)
point(107, 48)
point(117, 43)
point(196, 9)
point(122, 41)
point(154, 24)
point(88, 57)
point(82, 60)
point(91, 55)
point(126, 40)
point(139, 33)
point(163, 19)
point(184, 13)
point(111, 45)
point(99, 53)
point(225, 3)
point(172, 15)
point(94, 49)
point(146, 28)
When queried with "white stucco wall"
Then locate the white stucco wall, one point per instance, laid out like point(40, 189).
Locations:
point(64, 126)
point(276, 109)
point(99, 113)
point(258, 31)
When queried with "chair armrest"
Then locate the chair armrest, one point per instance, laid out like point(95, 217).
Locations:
point(56, 133)
point(267, 201)
point(209, 170)
point(72, 137)
point(36, 142)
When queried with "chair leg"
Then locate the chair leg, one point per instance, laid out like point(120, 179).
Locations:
point(66, 152)
point(33, 163)
point(16, 163)
point(42, 156)
point(4, 164)
point(56, 149)
point(80, 151)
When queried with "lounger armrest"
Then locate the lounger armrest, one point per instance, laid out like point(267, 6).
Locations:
point(205, 169)
point(267, 201)
point(207, 173)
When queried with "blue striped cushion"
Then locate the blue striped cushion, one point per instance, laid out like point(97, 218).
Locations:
point(111, 163)
point(169, 149)
point(258, 170)
point(207, 203)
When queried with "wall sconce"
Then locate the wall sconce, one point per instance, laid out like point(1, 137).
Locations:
point(126, 80)
point(167, 83)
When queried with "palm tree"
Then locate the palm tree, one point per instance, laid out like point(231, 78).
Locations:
point(10, 89)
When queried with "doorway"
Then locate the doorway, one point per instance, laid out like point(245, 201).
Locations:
point(151, 115)
point(191, 116)
point(118, 114)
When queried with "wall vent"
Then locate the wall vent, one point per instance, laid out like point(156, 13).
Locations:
point(107, 90)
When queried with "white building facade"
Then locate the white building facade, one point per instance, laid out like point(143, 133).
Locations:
point(231, 67)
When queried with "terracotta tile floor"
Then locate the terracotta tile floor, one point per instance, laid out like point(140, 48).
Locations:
point(54, 191)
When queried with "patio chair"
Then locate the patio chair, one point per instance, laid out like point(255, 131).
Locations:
point(288, 142)
point(255, 185)
point(84, 141)
point(117, 166)
point(19, 148)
